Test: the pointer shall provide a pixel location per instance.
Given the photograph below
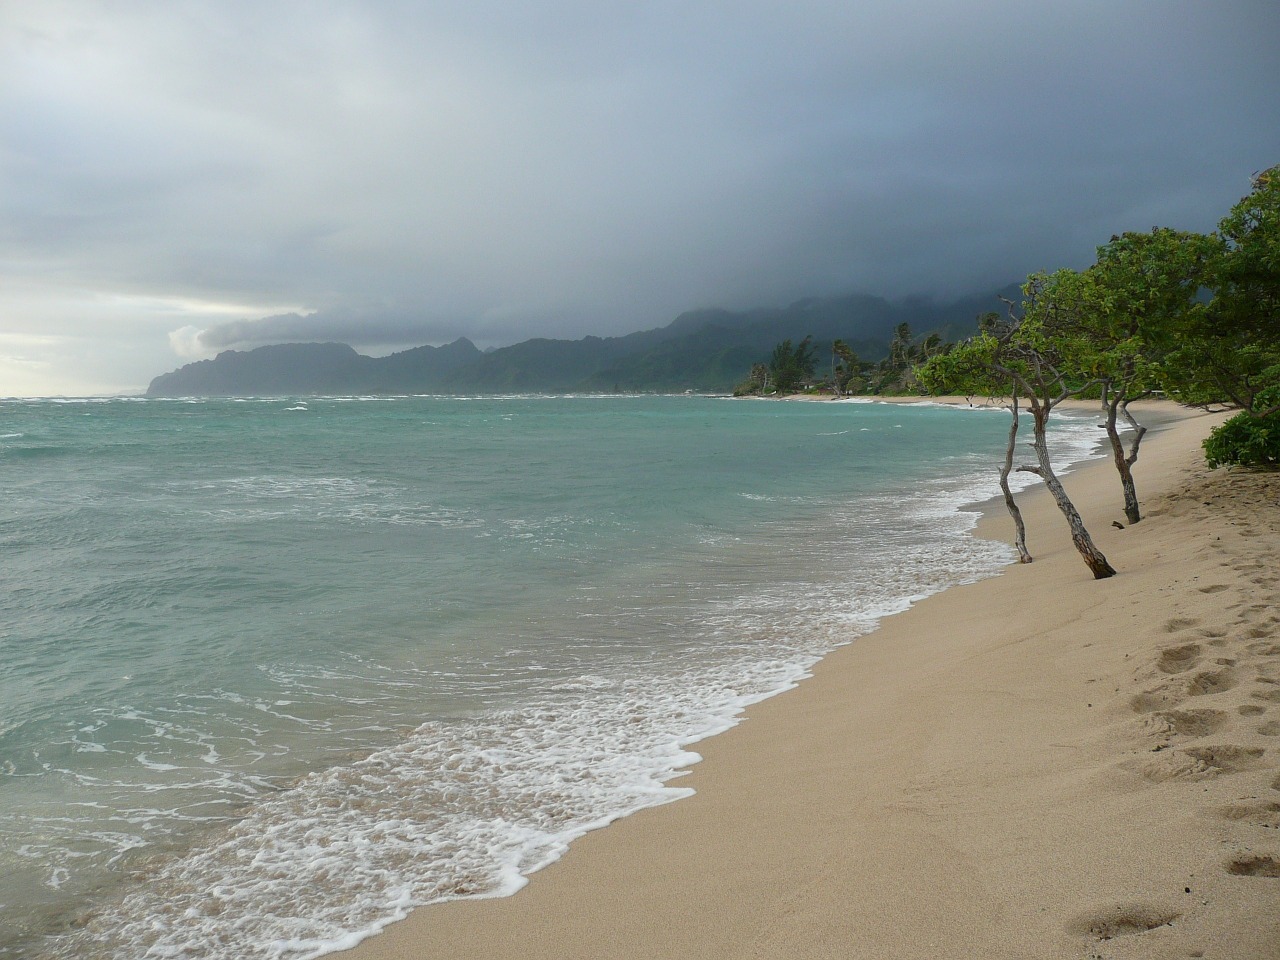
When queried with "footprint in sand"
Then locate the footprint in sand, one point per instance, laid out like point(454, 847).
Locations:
point(1197, 763)
point(1122, 920)
point(1179, 623)
point(1215, 588)
point(1152, 700)
point(1254, 866)
point(1210, 682)
point(1226, 758)
point(1250, 709)
point(1270, 729)
point(1179, 659)
point(1260, 814)
point(1194, 723)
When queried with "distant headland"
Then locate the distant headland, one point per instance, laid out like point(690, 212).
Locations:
point(702, 350)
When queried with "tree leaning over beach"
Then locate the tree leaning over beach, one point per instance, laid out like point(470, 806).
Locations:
point(1018, 353)
point(1116, 323)
point(962, 371)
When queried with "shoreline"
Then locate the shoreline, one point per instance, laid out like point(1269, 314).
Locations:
point(1033, 762)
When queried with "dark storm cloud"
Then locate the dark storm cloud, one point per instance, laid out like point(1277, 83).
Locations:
point(397, 172)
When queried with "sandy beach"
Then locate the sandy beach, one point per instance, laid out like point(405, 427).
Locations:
point(1036, 765)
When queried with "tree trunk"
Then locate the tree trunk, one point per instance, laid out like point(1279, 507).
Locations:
point(1111, 406)
point(1093, 557)
point(1139, 431)
point(1020, 530)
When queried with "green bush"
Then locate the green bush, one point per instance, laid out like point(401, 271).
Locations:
point(1245, 441)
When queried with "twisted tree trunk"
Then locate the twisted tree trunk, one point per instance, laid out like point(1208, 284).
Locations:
point(1092, 556)
point(1114, 403)
point(1020, 530)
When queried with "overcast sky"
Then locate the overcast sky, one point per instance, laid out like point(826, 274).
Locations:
point(181, 177)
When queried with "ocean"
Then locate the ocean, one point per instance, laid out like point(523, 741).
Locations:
point(276, 671)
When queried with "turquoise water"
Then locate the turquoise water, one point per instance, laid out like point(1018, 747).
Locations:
point(275, 671)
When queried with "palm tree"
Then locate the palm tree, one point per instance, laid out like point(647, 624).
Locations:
point(849, 367)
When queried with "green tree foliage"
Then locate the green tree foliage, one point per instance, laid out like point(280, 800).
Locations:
point(792, 366)
point(897, 372)
point(1245, 441)
point(900, 348)
point(1119, 320)
point(1229, 351)
point(757, 382)
point(847, 368)
point(967, 369)
point(1247, 285)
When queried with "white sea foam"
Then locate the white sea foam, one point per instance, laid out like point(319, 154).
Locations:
point(254, 498)
point(155, 765)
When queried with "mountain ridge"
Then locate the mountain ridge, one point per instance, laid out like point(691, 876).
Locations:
point(706, 350)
